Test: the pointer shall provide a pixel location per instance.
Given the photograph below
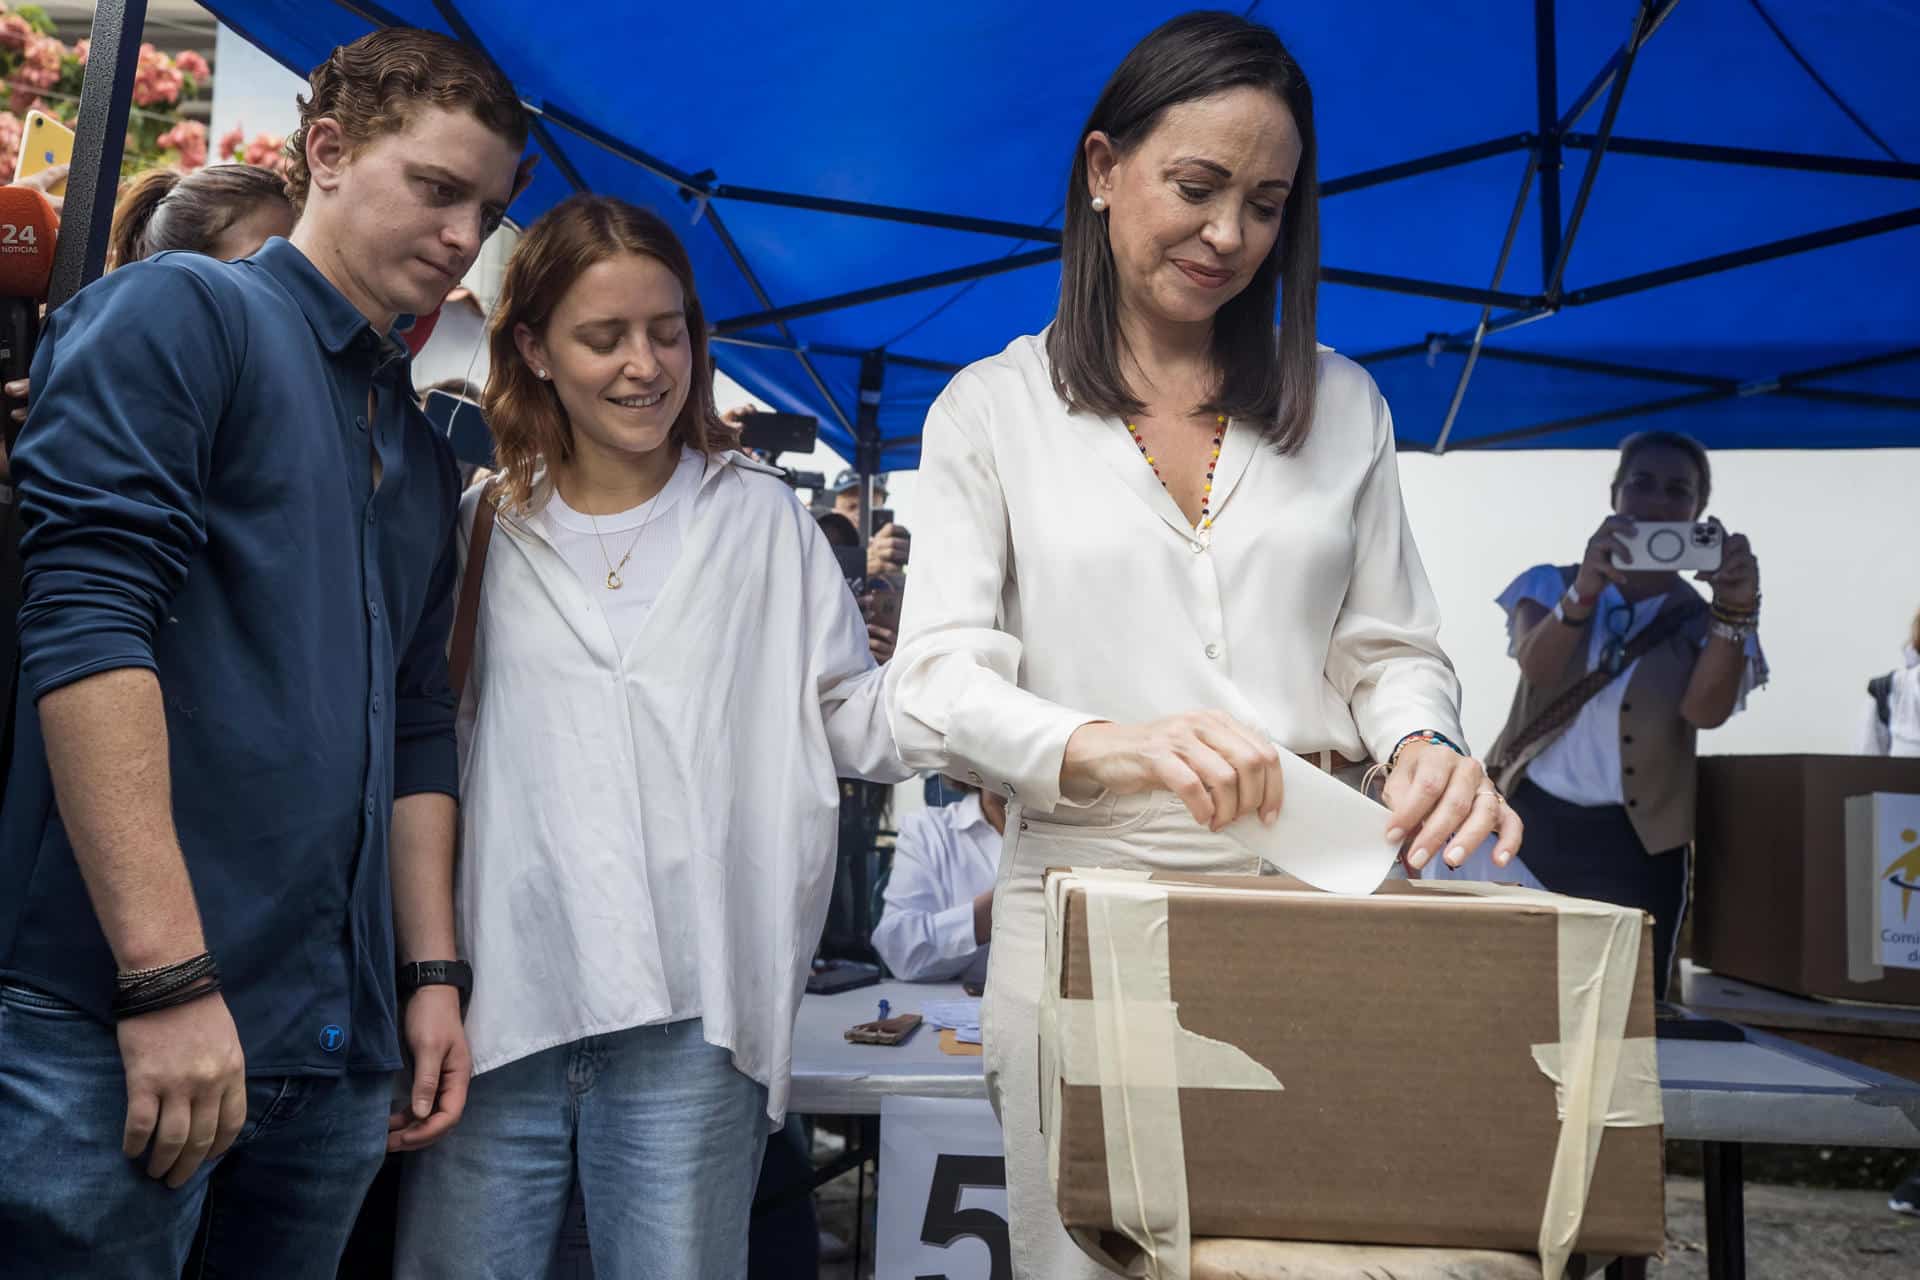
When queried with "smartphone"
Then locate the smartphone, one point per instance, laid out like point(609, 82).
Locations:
point(1666, 546)
point(464, 424)
point(882, 517)
point(777, 433)
point(44, 142)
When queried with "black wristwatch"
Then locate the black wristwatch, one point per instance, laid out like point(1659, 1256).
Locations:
point(457, 974)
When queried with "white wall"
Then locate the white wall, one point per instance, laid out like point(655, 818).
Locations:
point(251, 90)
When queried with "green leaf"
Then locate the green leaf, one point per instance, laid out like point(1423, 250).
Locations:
point(37, 18)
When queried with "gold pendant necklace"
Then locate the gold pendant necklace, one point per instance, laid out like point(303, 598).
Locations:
point(614, 580)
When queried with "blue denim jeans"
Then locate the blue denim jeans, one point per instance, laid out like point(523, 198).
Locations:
point(664, 1135)
point(279, 1203)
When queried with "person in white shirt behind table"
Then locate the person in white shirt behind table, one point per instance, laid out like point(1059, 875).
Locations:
point(1890, 725)
point(668, 675)
point(1161, 538)
point(938, 910)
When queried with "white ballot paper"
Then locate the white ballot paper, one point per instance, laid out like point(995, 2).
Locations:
point(1327, 834)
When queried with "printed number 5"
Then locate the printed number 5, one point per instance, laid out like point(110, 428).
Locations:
point(946, 1221)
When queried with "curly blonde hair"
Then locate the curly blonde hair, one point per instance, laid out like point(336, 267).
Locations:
point(529, 426)
point(372, 85)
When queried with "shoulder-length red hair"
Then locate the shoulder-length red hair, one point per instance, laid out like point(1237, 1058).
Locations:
point(529, 426)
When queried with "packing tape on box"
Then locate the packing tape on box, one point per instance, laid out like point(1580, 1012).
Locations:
point(1601, 1078)
point(1128, 1041)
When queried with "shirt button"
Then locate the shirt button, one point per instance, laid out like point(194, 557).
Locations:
point(373, 608)
point(1198, 547)
point(369, 808)
point(369, 515)
point(360, 422)
point(1011, 793)
point(376, 704)
point(1213, 651)
point(973, 777)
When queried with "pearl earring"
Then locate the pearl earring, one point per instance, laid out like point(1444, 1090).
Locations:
point(1099, 204)
point(540, 374)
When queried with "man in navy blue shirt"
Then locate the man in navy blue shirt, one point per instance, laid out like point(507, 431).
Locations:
point(230, 812)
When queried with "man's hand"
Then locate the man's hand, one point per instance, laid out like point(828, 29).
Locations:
point(887, 551)
point(880, 643)
point(186, 1086)
point(442, 1068)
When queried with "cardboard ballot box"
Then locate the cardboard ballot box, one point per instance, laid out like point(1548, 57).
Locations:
point(1778, 901)
point(1248, 1057)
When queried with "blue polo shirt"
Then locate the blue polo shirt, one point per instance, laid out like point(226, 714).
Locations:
point(196, 486)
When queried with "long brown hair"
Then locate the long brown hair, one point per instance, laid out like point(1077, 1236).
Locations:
point(524, 413)
point(165, 209)
point(1261, 379)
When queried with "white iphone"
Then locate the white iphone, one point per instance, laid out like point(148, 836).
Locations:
point(1669, 546)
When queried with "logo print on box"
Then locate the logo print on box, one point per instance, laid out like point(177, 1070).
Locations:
point(332, 1037)
point(1907, 865)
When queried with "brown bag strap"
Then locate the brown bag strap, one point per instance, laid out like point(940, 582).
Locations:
point(466, 614)
point(1561, 712)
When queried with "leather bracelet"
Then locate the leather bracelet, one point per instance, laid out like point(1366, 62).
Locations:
point(163, 986)
point(154, 1004)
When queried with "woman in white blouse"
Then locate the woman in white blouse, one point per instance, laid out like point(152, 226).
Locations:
point(668, 677)
point(1159, 539)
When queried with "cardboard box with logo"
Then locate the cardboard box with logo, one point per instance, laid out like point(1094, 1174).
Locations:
point(1226, 1056)
point(1799, 868)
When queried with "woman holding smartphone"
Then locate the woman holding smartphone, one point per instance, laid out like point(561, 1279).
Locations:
point(668, 675)
point(1621, 665)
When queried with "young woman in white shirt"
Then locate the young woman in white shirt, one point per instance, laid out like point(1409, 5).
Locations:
point(1161, 538)
point(669, 675)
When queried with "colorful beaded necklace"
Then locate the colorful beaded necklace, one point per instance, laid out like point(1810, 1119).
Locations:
point(1213, 460)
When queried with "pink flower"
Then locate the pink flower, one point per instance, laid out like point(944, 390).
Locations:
point(10, 130)
point(39, 69)
point(15, 31)
point(80, 48)
point(231, 141)
point(268, 152)
point(189, 138)
point(156, 80)
point(192, 64)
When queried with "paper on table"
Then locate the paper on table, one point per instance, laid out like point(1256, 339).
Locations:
point(1327, 834)
point(958, 1014)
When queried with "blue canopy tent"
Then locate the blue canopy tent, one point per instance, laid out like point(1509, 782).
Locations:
point(1544, 225)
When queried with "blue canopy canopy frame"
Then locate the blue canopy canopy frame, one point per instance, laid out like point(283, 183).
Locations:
point(1718, 231)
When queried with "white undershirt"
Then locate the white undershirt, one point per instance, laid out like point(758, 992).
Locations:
point(653, 530)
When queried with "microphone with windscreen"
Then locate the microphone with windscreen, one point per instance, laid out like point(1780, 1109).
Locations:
point(28, 228)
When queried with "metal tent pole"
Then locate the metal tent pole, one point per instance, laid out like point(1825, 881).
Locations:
point(100, 139)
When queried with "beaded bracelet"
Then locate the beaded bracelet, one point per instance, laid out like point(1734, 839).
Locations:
point(1430, 737)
